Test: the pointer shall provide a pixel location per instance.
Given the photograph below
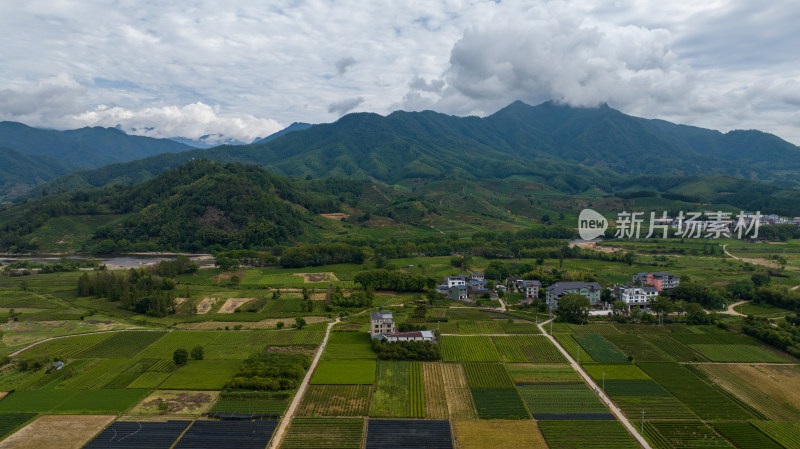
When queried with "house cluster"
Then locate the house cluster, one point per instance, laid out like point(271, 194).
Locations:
point(644, 288)
point(382, 327)
point(467, 288)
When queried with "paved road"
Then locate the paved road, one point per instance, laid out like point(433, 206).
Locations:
point(277, 437)
point(607, 400)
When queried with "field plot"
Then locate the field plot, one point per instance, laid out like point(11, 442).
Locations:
point(416, 390)
point(135, 369)
point(411, 434)
point(586, 435)
point(122, 344)
point(165, 346)
point(96, 374)
point(673, 348)
point(434, 390)
point(637, 348)
point(67, 347)
point(563, 401)
point(479, 327)
point(188, 403)
point(738, 353)
point(487, 375)
point(527, 348)
point(10, 421)
point(252, 403)
point(715, 337)
point(391, 398)
point(468, 349)
point(601, 329)
point(69, 401)
point(307, 433)
point(61, 431)
point(498, 434)
point(683, 434)
point(744, 436)
point(520, 328)
point(773, 390)
point(499, 403)
point(148, 380)
point(227, 435)
point(787, 434)
point(615, 372)
point(230, 351)
point(599, 348)
point(349, 345)
point(459, 398)
point(231, 304)
point(523, 373)
point(573, 348)
point(309, 335)
point(657, 407)
point(126, 434)
point(344, 372)
point(336, 400)
point(704, 400)
point(202, 375)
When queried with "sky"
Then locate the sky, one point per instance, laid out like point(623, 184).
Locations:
point(243, 69)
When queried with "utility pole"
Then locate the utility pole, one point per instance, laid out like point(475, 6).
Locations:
point(579, 355)
point(643, 422)
point(604, 381)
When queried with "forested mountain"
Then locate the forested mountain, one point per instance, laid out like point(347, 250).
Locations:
point(20, 172)
point(296, 126)
point(84, 147)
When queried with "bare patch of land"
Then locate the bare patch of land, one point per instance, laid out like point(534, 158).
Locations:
point(233, 303)
point(167, 402)
point(61, 431)
point(317, 277)
point(336, 216)
point(205, 305)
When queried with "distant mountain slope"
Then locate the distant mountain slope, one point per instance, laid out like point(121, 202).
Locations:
point(296, 126)
point(20, 172)
point(84, 147)
point(567, 148)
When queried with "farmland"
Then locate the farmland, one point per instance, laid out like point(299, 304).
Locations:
point(683, 434)
point(392, 396)
point(336, 400)
point(499, 434)
point(586, 435)
point(469, 349)
point(306, 433)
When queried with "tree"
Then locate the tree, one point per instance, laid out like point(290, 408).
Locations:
point(606, 296)
point(420, 311)
point(197, 353)
point(306, 294)
point(662, 305)
point(620, 307)
point(301, 322)
point(759, 279)
point(573, 308)
point(280, 324)
point(180, 357)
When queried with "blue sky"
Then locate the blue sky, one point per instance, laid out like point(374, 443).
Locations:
point(244, 69)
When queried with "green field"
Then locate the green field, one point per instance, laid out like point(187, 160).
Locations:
point(499, 403)
point(344, 372)
point(349, 345)
point(600, 349)
point(530, 373)
point(70, 402)
point(586, 435)
point(683, 434)
point(487, 375)
point(745, 436)
point(336, 400)
point(305, 433)
point(202, 375)
point(122, 344)
point(738, 353)
point(392, 396)
point(787, 434)
point(468, 349)
point(527, 348)
point(561, 398)
point(9, 422)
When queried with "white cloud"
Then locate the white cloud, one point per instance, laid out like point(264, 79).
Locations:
point(44, 103)
point(194, 121)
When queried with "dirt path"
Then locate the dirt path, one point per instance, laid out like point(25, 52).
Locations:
point(602, 394)
point(277, 437)
point(762, 262)
point(730, 311)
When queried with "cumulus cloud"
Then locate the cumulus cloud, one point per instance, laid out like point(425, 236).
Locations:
point(344, 63)
point(196, 121)
point(344, 106)
point(419, 83)
point(48, 102)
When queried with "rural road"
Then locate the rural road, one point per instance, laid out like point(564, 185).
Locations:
point(602, 394)
point(730, 311)
point(277, 437)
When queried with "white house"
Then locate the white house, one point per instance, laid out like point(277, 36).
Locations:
point(591, 290)
point(637, 296)
point(453, 281)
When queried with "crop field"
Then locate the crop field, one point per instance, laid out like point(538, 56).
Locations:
point(638, 348)
point(434, 390)
point(230, 351)
point(738, 353)
point(673, 348)
point(773, 390)
point(714, 337)
point(499, 434)
point(98, 373)
point(391, 398)
point(227, 435)
point(744, 436)
point(344, 372)
point(573, 348)
point(309, 335)
point(586, 435)
point(479, 327)
point(468, 349)
point(305, 433)
point(133, 370)
point(499, 403)
point(416, 390)
point(202, 375)
point(408, 433)
point(148, 380)
point(704, 400)
point(683, 434)
point(287, 305)
point(520, 328)
point(165, 346)
point(11, 421)
point(252, 403)
point(349, 345)
point(70, 401)
point(459, 399)
point(599, 348)
point(523, 373)
point(122, 344)
point(487, 375)
point(527, 348)
point(655, 406)
point(787, 434)
point(756, 309)
point(561, 399)
point(615, 372)
point(600, 329)
point(336, 400)
point(68, 347)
